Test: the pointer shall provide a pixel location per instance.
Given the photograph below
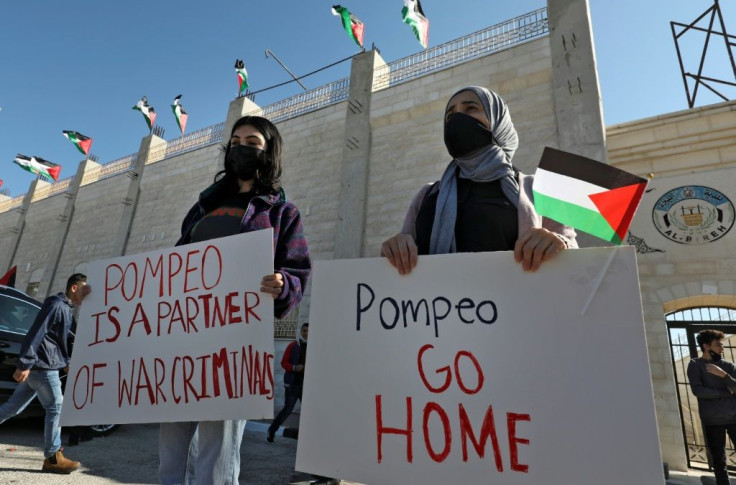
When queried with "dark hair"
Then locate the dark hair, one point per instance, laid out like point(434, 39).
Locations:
point(75, 279)
point(705, 337)
point(305, 324)
point(268, 178)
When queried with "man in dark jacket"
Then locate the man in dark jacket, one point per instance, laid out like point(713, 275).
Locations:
point(44, 352)
point(293, 361)
point(713, 382)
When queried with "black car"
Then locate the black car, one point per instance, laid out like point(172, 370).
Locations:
point(17, 312)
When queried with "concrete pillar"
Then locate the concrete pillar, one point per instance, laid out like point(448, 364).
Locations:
point(356, 157)
point(65, 218)
point(238, 108)
point(151, 147)
point(577, 94)
point(23, 210)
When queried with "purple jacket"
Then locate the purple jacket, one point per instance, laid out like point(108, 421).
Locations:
point(291, 253)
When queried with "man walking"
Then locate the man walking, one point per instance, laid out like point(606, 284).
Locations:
point(44, 352)
point(293, 363)
point(712, 381)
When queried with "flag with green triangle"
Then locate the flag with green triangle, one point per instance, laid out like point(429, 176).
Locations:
point(147, 111)
point(585, 194)
point(414, 16)
point(39, 166)
point(242, 76)
point(83, 143)
point(352, 24)
point(180, 114)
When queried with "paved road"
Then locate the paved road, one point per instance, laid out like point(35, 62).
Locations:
point(130, 456)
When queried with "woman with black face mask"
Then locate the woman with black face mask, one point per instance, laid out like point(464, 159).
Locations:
point(481, 203)
point(246, 196)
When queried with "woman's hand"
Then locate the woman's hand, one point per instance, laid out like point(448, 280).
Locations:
point(273, 284)
point(401, 252)
point(536, 246)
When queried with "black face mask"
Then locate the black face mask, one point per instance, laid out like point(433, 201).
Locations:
point(715, 356)
point(245, 161)
point(465, 135)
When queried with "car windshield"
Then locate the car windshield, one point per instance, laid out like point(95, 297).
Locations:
point(16, 315)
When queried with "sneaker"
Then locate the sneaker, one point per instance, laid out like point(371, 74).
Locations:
point(269, 437)
point(58, 463)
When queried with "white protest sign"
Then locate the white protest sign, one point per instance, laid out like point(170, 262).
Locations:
point(470, 370)
point(181, 334)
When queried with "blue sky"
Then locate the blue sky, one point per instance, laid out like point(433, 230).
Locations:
point(82, 65)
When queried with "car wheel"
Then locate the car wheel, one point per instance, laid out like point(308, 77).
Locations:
point(103, 429)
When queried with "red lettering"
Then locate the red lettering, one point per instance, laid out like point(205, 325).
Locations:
point(511, 419)
point(232, 308)
point(220, 361)
point(86, 388)
point(249, 308)
point(487, 429)
point(269, 366)
point(205, 299)
point(187, 373)
point(477, 368)
point(125, 388)
point(140, 317)
point(203, 377)
point(447, 433)
point(95, 383)
point(142, 372)
point(154, 271)
point(219, 266)
point(135, 280)
point(173, 373)
point(159, 378)
point(381, 430)
point(172, 272)
point(446, 369)
point(188, 270)
point(109, 288)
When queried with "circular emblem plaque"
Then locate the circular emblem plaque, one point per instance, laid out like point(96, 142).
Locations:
point(693, 215)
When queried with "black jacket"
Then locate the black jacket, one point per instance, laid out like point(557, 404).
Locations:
point(47, 344)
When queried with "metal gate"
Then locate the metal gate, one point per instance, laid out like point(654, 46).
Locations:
point(682, 327)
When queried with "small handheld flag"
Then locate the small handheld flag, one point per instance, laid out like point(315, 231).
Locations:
point(39, 166)
point(352, 24)
point(242, 76)
point(8, 279)
point(414, 16)
point(585, 194)
point(83, 143)
point(148, 112)
point(180, 114)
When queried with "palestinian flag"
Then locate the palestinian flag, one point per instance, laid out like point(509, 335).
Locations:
point(414, 16)
point(8, 279)
point(49, 171)
point(148, 112)
point(352, 24)
point(181, 115)
point(80, 141)
point(242, 76)
point(590, 196)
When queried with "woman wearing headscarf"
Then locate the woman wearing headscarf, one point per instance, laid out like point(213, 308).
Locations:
point(481, 203)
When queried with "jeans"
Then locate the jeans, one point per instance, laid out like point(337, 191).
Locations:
point(293, 394)
point(715, 438)
point(47, 386)
point(216, 452)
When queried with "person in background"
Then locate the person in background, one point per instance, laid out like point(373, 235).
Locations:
point(45, 351)
point(292, 362)
point(713, 381)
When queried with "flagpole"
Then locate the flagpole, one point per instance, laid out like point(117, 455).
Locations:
point(599, 280)
point(285, 68)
